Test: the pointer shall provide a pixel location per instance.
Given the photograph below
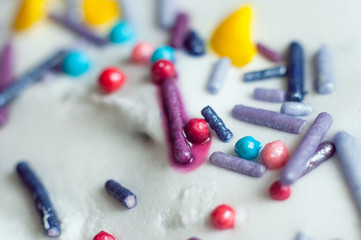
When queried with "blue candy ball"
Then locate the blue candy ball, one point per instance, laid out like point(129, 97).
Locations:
point(164, 52)
point(247, 148)
point(76, 63)
point(122, 32)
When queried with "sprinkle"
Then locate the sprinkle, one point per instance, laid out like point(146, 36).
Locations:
point(268, 118)
point(269, 53)
point(274, 155)
point(306, 149)
point(41, 198)
point(269, 95)
point(103, 236)
point(163, 52)
point(223, 217)
point(279, 192)
point(216, 123)
point(120, 193)
point(218, 75)
point(295, 73)
point(265, 74)
point(79, 29)
point(325, 78)
point(167, 12)
point(296, 109)
point(247, 148)
point(350, 159)
point(236, 164)
point(129, 13)
point(33, 76)
point(302, 236)
point(6, 76)
point(181, 149)
point(179, 31)
point(323, 152)
point(193, 44)
point(72, 7)
point(122, 32)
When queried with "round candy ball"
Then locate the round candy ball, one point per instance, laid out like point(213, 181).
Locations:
point(76, 63)
point(279, 192)
point(103, 236)
point(274, 155)
point(142, 53)
point(197, 130)
point(247, 148)
point(122, 32)
point(111, 79)
point(163, 70)
point(223, 217)
point(164, 52)
point(193, 44)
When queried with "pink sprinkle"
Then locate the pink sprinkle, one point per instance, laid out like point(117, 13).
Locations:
point(142, 53)
point(274, 155)
point(269, 53)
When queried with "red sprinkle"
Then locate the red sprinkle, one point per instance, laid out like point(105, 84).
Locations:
point(223, 217)
point(197, 130)
point(103, 236)
point(279, 192)
point(163, 70)
point(111, 79)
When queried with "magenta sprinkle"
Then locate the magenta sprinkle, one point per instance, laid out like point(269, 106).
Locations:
point(269, 53)
point(179, 31)
point(6, 76)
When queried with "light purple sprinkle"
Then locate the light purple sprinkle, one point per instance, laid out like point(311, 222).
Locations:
point(296, 109)
point(129, 13)
point(325, 77)
point(218, 75)
point(269, 95)
point(179, 31)
point(167, 12)
point(269, 53)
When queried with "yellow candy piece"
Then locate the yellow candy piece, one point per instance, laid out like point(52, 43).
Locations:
point(232, 38)
point(100, 11)
point(30, 11)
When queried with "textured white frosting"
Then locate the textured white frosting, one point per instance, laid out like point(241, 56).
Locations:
point(76, 138)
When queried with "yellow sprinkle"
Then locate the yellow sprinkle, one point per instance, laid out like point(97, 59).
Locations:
point(30, 11)
point(100, 11)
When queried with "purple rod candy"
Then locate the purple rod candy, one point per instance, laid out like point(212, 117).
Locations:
point(181, 150)
point(236, 164)
point(268, 118)
point(6, 76)
point(294, 168)
point(179, 31)
point(323, 152)
point(79, 29)
point(269, 95)
point(269, 53)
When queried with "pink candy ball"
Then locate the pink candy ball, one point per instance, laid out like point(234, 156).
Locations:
point(142, 53)
point(274, 155)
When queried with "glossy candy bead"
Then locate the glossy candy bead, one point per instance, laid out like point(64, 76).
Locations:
point(323, 152)
point(223, 217)
point(142, 53)
point(111, 79)
point(276, 72)
point(269, 95)
point(30, 12)
point(296, 109)
point(103, 236)
point(217, 124)
point(274, 155)
point(295, 75)
point(120, 193)
point(167, 13)
point(164, 52)
point(325, 76)
point(76, 63)
point(100, 11)
point(238, 165)
point(121, 32)
point(247, 148)
point(193, 44)
point(197, 130)
point(269, 53)
point(294, 168)
point(163, 70)
point(279, 192)
point(218, 75)
point(179, 31)
point(269, 119)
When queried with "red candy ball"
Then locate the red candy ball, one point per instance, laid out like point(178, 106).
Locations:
point(103, 236)
point(111, 79)
point(223, 217)
point(163, 70)
point(197, 130)
point(279, 192)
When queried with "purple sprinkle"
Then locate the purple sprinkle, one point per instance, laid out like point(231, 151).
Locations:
point(268, 118)
point(325, 76)
point(181, 149)
point(269, 95)
point(6, 76)
point(323, 152)
point(236, 164)
point(295, 166)
point(179, 31)
point(269, 53)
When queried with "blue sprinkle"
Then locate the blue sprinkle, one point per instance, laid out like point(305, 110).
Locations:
point(123, 195)
point(43, 204)
point(122, 32)
point(247, 148)
point(265, 74)
point(76, 63)
point(193, 44)
point(216, 123)
point(163, 52)
point(295, 73)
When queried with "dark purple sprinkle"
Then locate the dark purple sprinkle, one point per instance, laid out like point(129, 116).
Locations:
point(265, 74)
point(120, 193)
point(217, 124)
point(295, 73)
point(179, 31)
point(323, 152)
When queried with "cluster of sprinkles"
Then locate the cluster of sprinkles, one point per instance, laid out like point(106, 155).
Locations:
point(186, 135)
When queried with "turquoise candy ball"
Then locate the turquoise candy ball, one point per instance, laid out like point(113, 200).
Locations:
point(164, 52)
point(76, 63)
point(247, 148)
point(122, 32)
